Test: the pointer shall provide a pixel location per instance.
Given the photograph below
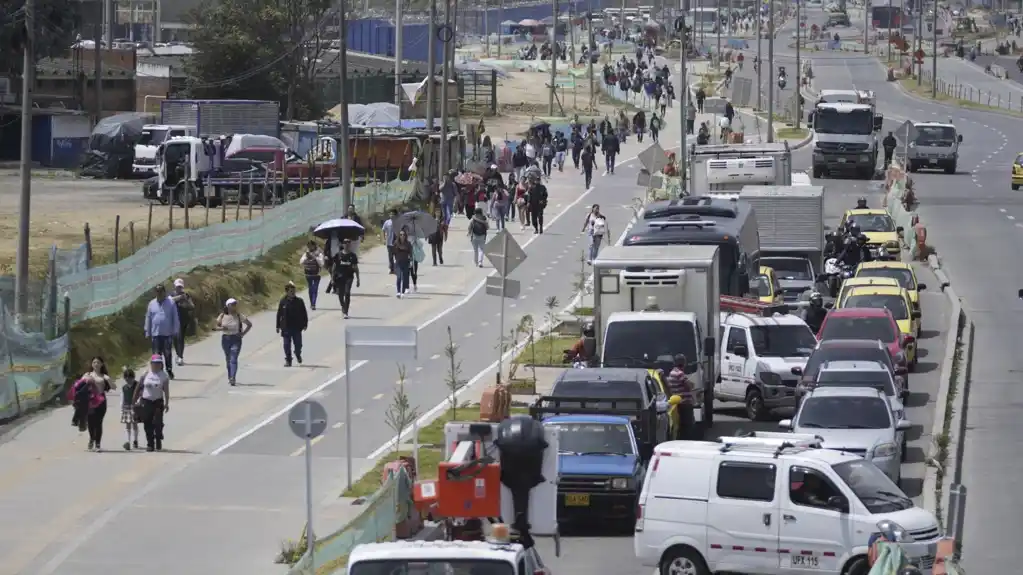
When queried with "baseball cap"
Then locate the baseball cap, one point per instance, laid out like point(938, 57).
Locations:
point(179, 283)
point(230, 301)
point(157, 358)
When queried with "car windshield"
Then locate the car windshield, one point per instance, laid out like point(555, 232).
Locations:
point(858, 328)
point(594, 438)
point(901, 275)
point(935, 135)
point(789, 268)
point(877, 492)
point(894, 303)
point(648, 344)
point(761, 286)
point(844, 413)
point(153, 137)
point(881, 223)
point(432, 567)
point(879, 380)
point(839, 353)
point(782, 340)
point(831, 121)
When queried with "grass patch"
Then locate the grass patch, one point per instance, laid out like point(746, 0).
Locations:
point(583, 311)
point(547, 351)
point(792, 133)
point(943, 442)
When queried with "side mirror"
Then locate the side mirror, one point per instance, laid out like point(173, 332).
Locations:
point(741, 351)
point(674, 400)
point(796, 371)
point(903, 424)
point(900, 229)
point(915, 314)
point(878, 122)
point(838, 503)
point(785, 424)
point(921, 287)
point(960, 138)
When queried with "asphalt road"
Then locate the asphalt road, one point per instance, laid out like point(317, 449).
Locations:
point(975, 222)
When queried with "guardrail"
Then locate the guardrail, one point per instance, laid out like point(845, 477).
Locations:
point(1006, 100)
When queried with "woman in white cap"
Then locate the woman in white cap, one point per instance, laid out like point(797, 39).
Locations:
point(235, 326)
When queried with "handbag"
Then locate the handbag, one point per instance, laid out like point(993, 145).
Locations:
point(418, 254)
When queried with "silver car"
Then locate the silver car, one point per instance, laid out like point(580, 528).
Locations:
point(856, 420)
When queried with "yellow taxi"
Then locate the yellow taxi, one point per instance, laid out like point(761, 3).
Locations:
point(766, 287)
point(878, 226)
point(899, 271)
point(896, 300)
point(1017, 172)
point(851, 283)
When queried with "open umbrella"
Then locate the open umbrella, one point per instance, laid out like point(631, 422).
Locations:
point(529, 23)
point(417, 224)
point(342, 228)
point(468, 179)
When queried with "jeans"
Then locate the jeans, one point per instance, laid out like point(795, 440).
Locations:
point(152, 421)
point(95, 421)
point(689, 126)
point(446, 211)
point(575, 157)
point(314, 289)
point(390, 259)
point(343, 289)
point(161, 345)
point(292, 339)
point(478, 241)
point(536, 215)
point(595, 241)
point(588, 175)
point(437, 251)
point(402, 271)
point(232, 346)
point(413, 269)
point(499, 215)
point(179, 340)
point(547, 166)
point(559, 159)
point(609, 160)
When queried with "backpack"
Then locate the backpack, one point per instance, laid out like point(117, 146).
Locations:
point(599, 226)
point(478, 228)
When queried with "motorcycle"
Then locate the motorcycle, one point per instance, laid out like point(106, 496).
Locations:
point(577, 361)
point(834, 274)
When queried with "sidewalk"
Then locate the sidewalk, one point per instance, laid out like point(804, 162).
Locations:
point(184, 510)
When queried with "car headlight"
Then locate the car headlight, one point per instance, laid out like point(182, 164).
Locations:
point(620, 483)
point(894, 532)
point(769, 378)
point(884, 450)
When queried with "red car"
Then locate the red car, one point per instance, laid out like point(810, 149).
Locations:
point(865, 323)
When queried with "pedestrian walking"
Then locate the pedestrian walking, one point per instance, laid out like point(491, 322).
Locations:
point(345, 272)
point(690, 119)
point(89, 396)
point(611, 147)
point(234, 326)
point(161, 325)
point(402, 250)
point(478, 228)
point(577, 148)
point(448, 192)
point(537, 198)
point(353, 215)
point(520, 203)
point(129, 418)
point(389, 235)
point(588, 159)
point(152, 396)
point(418, 256)
point(186, 318)
point(292, 320)
point(547, 153)
point(436, 241)
point(701, 95)
point(655, 127)
point(595, 227)
point(312, 263)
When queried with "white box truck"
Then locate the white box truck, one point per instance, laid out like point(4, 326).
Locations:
point(654, 302)
point(729, 167)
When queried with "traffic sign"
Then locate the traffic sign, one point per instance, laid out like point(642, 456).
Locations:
point(503, 287)
point(503, 249)
point(653, 158)
point(308, 419)
point(906, 132)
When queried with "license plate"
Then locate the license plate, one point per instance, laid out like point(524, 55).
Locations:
point(933, 161)
point(805, 561)
point(841, 160)
point(577, 499)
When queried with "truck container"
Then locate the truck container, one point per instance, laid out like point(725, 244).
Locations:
point(729, 167)
point(660, 301)
point(223, 117)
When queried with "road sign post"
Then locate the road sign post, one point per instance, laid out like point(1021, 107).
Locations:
point(506, 255)
point(308, 420)
point(396, 343)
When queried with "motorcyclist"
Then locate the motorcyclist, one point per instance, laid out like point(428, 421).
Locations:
point(866, 254)
point(816, 312)
point(852, 254)
point(889, 144)
point(585, 348)
point(679, 384)
point(861, 203)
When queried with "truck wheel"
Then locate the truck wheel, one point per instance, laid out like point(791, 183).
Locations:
point(950, 169)
point(755, 409)
point(858, 566)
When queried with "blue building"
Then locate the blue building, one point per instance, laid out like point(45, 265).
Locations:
point(59, 137)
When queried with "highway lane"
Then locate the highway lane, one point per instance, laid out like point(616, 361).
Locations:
point(974, 222)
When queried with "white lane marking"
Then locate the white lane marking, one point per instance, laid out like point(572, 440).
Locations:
point(339, 376)
point(1001, 210)
point(338, 425)
point(468, 334)
point(435, 356)
point(419, 368)
point(358, 411)
point(1011, 217)
point(378, 396)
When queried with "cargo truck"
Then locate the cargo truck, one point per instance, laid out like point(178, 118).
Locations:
point(790, 221)
point(729, 167)
point(210, 118)
point(652, 303)
point(144, 162)
point(845, 133)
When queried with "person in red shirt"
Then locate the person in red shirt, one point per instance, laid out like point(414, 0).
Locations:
point(679, 384)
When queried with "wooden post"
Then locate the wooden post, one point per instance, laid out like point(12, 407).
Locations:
point(149, 226)
point(88, 246)
point(207, 210)
point(186, 202)
point(262, 204)
point(238, 204)
point(117, 238)
point(131, 230)
point(223, 208)
point(250, 200)
point(170, 211)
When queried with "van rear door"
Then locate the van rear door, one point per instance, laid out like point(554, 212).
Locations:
point(743, 520)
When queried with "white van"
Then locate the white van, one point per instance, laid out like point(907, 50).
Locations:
point(772, 503)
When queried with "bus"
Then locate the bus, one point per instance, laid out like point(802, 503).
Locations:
point(705, 20)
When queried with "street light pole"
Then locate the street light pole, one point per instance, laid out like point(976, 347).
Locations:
point(799, 69)
point(344, 149)
point(934, 54)
point(760, 59)
point(919, 43)
point(25, 200)
point(770, 64)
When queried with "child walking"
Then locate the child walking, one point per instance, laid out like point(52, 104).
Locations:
point(131, 426)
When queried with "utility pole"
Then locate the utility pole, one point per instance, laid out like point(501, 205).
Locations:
point(486, 24)
point(589, 60)
point(97, 56)
point(554, 58)
point(398, 66)
point(500, 32)
point(108, 23)
point(770, 67)
point(431, 73)
point(343, 149)
point(25, 201)
point(729, 24)
point(717, 15)
point(934, 54)
point(919, 43)
point(866, 26)
point(890, 30)
point(760, 60)
point(442, 157)
point(799, 69)
point(684, 112)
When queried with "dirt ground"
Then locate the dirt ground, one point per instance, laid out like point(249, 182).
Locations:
point(61, 208)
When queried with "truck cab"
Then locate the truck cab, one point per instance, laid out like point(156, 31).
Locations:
point(934, 146)
point(492, 557)
point(652, 303)
point(182, 163)
point(845, 138)
point(153, 135)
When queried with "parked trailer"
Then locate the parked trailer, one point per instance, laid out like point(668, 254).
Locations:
point(222, 117)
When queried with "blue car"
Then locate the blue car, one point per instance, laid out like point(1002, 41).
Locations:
point(600, 472)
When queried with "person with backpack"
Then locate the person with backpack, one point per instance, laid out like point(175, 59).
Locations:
point(312, 262)
point(129, 418)
point(152, 396)
point(595, 227)
point(547, 154)
point(478, 228)
point(560, 149)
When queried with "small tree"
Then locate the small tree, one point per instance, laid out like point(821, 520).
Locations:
point(400, 414)
point(528, 326)
point(454, 377)
point(551, 303)
point(511, 342)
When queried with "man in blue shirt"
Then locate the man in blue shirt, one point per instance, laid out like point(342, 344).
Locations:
point(162, 325)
